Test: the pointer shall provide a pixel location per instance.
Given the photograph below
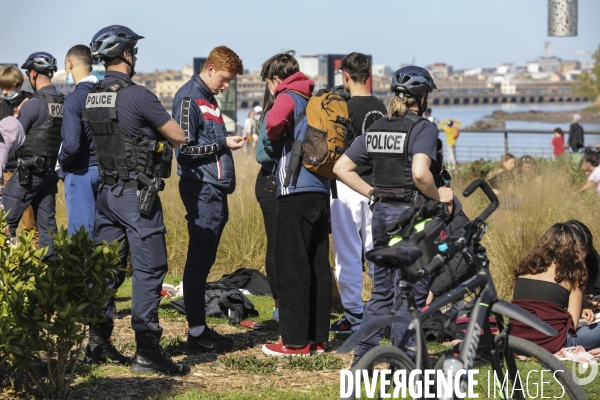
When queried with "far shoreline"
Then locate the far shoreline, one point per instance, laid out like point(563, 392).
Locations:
point(498, 118)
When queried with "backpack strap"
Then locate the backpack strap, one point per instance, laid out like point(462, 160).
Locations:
point(294, 166)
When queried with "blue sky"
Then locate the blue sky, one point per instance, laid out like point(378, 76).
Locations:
point(463, 33)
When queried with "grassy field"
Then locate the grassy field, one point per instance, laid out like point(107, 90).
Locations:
point(526, 211)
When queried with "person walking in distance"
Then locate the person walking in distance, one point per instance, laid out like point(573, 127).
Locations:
point(11, 82)
point(79, 165)
point(207, 177)
point(133, 137)
point(302, 235)
point(350, 213)
point(35, 182)
point(451, 128)
point(249, 127)
point(575, 141)
point(403, 175)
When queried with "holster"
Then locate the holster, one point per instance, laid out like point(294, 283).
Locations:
point(27, 165)
point(149, 192)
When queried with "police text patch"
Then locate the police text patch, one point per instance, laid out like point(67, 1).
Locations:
point(95, 100)
point(55, 110)
point(385, 142)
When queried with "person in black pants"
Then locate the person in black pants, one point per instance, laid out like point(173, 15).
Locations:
point(266, 195)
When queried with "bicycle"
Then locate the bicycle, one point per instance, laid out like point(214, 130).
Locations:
point(500, 349)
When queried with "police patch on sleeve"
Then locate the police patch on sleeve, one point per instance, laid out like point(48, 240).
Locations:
point(96, 100)
point(385, 142)
point(55, 110)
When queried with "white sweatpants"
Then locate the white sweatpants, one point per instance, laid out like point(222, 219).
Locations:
point(451, 162)
point(351, 230)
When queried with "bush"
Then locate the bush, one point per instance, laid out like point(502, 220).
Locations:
point(45, 307)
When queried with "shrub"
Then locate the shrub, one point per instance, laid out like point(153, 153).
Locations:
point(45, 307)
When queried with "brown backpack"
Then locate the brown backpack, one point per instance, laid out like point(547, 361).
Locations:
point(326, 137)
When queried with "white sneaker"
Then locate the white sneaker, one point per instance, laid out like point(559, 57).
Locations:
point(275, 316)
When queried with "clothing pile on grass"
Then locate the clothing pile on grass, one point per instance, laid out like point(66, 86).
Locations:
point(226, 298)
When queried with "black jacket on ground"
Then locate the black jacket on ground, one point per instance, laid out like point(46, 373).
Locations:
point(7, 109)
point(457, 270)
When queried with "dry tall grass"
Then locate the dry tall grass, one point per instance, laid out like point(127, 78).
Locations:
point(525, 213)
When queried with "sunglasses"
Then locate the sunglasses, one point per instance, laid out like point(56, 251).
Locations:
point(134, 51)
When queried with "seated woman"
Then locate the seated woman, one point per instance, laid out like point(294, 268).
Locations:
point(503, 174)
point(551, 280)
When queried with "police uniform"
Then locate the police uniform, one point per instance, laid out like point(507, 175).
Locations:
point(123, 119)
point(390, 145)
point(35, 181)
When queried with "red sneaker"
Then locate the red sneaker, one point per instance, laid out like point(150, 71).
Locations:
point(280, 350)
point(317, 348)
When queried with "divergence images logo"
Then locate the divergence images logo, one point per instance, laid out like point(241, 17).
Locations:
point(584, 373)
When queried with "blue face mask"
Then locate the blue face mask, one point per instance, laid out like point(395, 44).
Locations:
point(70, 80)
point(12, 96)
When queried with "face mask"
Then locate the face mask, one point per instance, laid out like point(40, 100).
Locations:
point(11, 96)
point(70, 80)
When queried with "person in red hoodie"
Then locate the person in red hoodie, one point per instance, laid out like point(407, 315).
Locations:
point(302, 234)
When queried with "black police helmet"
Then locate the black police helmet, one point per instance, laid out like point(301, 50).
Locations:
point(412, 81)
point(41, 62)
point(111, 41)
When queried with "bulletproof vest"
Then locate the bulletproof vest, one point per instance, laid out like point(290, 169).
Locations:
point(45, 139)
point(387, 145)
point(116, 149)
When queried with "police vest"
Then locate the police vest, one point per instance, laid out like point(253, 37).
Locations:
point(387, 145)
point(117, 150)
point(45, 139)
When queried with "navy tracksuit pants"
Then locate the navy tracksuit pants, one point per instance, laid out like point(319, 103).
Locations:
point(118, 218)
point(385, 284)
point(206, 214)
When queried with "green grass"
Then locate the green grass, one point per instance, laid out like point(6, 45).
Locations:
point(266, 392)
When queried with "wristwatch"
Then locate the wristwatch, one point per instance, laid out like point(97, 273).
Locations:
point(372, 196)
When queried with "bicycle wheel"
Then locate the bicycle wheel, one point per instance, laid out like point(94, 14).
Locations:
point(384, 357)
point(558, 383)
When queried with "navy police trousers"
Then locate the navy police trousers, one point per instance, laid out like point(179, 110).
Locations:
point(40, 192)
point(385, 284)
point(118, 218)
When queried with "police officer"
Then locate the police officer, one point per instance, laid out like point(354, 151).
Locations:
point(406, 164)
point(133, 136)
point(35, 182)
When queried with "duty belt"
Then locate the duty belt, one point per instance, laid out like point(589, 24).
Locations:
point(112, 182)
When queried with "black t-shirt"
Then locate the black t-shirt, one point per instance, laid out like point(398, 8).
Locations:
point(363, 111)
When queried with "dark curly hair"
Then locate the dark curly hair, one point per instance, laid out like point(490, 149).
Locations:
point(565, 245)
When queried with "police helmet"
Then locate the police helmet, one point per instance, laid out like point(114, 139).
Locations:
point(412, 81)
point(41, 62)
point(111, 41)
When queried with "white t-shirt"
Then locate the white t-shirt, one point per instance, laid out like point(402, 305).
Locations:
point(595, 177)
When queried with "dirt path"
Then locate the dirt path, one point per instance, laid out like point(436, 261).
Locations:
point(209, 372)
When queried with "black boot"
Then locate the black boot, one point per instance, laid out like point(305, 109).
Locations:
point(100, 350)
point(149, 357)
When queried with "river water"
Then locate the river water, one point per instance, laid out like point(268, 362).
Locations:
point(472, 146)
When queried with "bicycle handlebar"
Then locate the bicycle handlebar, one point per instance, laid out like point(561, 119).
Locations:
point(494, 203)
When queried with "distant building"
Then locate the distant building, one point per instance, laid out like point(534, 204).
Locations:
point(440, 71)
point(569, 65)
point(507, 88)
point(504, 69)
point(313, 64)
point(544, 64)
point(381, 70)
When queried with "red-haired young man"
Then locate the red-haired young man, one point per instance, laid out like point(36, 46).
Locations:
point(207, 177)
